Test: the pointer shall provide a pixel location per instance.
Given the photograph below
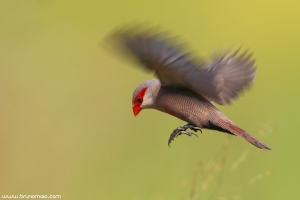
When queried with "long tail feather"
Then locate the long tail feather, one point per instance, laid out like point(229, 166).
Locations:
point(232, 128)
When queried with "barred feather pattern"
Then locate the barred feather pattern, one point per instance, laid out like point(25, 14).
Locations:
point(199, 111)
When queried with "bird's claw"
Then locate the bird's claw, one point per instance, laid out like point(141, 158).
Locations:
point(182, 130)
point(196, 129)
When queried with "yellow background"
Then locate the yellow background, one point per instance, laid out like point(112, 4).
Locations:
point(66, 122)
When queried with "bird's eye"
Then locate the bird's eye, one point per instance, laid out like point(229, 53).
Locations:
point(139, 100)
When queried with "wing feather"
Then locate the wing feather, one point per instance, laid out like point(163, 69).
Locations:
point(220, 81)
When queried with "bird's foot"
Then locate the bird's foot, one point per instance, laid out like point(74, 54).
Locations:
point(182, 130)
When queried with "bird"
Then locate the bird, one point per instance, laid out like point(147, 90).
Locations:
point(186, 86)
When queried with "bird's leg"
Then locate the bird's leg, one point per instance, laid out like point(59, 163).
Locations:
point(182, 130)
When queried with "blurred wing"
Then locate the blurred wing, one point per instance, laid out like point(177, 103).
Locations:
point(220, 81)
point(229, 74)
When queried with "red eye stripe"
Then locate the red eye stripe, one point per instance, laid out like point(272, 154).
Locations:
point(140, 95)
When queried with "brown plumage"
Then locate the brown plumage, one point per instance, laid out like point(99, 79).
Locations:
point(186, 86)
point(197, 110)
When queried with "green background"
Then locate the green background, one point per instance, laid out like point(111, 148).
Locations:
point(67, 125)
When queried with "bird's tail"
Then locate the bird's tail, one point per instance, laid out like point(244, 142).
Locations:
point(235, 130)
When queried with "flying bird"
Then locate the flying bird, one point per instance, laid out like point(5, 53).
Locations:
point(186, 87)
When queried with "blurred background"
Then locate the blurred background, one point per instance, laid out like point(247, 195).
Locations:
point(67, 125)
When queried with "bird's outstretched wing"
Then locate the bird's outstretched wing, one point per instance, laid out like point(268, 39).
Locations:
point(220, 81)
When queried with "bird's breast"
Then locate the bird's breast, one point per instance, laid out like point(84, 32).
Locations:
point(185, 105)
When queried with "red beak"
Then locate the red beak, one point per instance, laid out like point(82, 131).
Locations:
point(136, 110)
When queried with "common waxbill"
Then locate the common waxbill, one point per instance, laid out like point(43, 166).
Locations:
point(185, 87)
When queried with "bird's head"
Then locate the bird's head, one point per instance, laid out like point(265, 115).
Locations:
point(144, 95)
